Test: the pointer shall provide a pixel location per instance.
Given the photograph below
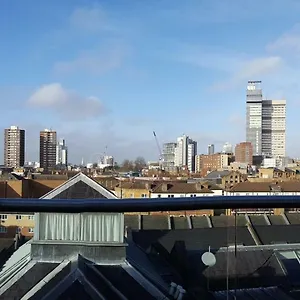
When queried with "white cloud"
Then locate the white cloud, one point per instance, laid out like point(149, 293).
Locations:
point(90, 19)
point(250, 69)
point(65, 102)
point(49, 95)
point(258, 67)
point(94, 61)
point(289, 42)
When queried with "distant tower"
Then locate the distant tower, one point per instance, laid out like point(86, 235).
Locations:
point(48, 142)
point(61, 153)
point(254, 116)
point(14, 147)
point(211, 149)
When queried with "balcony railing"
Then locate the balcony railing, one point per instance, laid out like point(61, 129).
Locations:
point(147, 205)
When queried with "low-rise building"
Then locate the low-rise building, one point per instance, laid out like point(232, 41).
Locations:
point(248, 188)
point(209, 163)
point(180, 189)
point(16, 223)
point(127, 189)
point(275, 173)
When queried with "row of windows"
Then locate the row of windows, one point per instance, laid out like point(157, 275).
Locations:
point(18, 217)
point(3, 229)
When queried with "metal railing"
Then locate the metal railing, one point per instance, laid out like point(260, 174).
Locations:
point(146, 205)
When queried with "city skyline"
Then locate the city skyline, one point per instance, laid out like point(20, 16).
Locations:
point(131, 69)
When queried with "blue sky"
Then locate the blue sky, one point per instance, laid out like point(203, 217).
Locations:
point(108, 73)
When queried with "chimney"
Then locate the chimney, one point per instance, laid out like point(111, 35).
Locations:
point(165, 187)
point(199, 186)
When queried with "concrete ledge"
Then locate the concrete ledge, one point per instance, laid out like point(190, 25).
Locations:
point(57, 251)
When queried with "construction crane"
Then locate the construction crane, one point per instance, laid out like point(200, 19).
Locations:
point(159, 149)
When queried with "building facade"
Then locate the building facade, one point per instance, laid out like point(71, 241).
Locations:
point(265, 123)
point(168, 156)
point(254, 116)
point(273, 128)
point(211, 149)
point(48, 142)
point(185, 152)
point(208, 163)
point(181, 151)
point(192, 152)
point(14, 147)
point(244, 153)
point(62, 153)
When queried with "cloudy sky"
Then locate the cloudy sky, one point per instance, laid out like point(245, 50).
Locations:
point(108, 73)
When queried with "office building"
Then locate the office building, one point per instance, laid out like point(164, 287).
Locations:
point(14, 147)
point(168, 156)
point(185, 152)
point(192, 152)
point(274, 128)
point(244, 153)
point(254, 116)
point(181, 151)
point(48, 145)
point(211, 149)
point(61, 153)
point(266, 123)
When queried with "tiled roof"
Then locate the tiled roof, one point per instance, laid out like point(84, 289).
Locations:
point(179, 223)
point(224, 221)
point(131, 221)
point(256, 268)
point(278, 234)
point(217, 174)
point(200, 222)
point(181, 187)
point(154, 222)
point(194, 239)
point(284, 186)
point(138, 185)
point(294, 218)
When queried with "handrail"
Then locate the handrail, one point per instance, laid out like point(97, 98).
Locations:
point(23, 205)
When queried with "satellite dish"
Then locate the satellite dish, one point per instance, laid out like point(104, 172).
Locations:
point(208, 259)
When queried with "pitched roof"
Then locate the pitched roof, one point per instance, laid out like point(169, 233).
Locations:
point(284, 186)
point(181, 187)
point(80, 186)
point(138, 185)
point(194, 239)
point(278, 234)
point(217, 174)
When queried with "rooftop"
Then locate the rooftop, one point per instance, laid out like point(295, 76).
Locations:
point(84, 254)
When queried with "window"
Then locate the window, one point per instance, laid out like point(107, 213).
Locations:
point(3, 229)
point(30, 230)
point(3, 217)
point(158, 196)
point(31, 217)
point(144, 195)
point(18, 217)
